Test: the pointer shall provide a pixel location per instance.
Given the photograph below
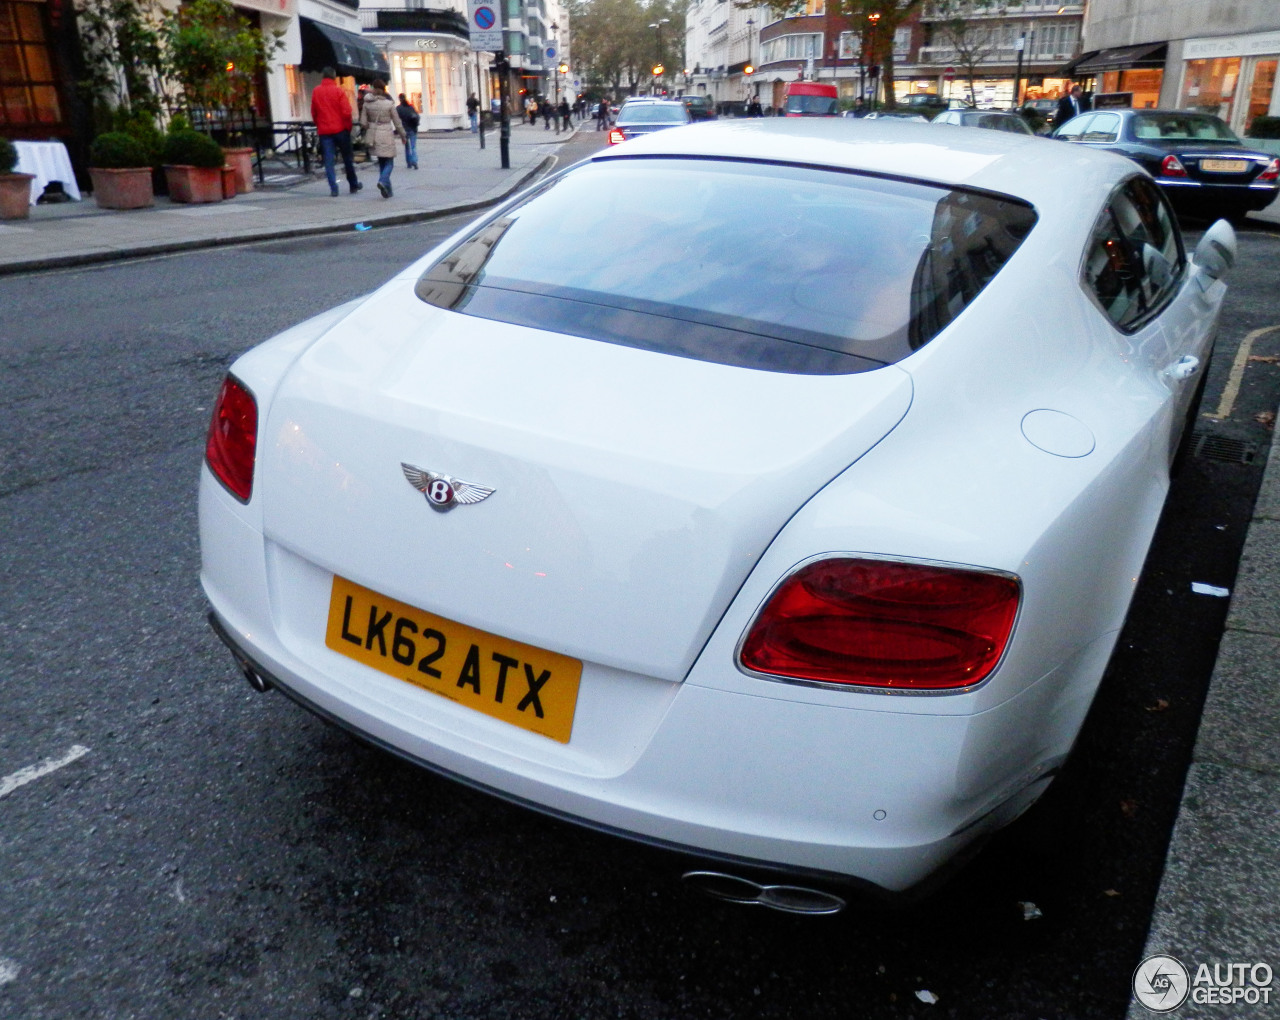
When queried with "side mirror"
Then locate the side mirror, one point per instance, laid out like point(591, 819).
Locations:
point(1216, 252)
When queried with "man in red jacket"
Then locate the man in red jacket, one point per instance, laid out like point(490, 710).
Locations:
point(331, 110)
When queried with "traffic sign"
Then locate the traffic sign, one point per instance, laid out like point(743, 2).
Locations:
point(485, 25)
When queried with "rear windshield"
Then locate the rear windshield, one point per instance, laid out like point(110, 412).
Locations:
point(674, 114)
point(772, 267)
point(1181, 127)
point(812, 106)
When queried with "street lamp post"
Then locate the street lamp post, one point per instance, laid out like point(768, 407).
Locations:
point(657, 61)
point(555, 34)
point(874, 18)
point(1017, 75)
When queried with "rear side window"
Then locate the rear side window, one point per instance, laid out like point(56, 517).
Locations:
point(1105, 127)
point(1073, 129)
point(1135, 259)
point(781, 268)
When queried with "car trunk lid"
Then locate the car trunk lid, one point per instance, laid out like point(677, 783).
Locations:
point(633, 491)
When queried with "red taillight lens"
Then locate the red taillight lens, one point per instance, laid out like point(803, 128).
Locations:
point(233, 438)
point(1171, 166)
point(616, 137)
point(875, 623)
point(1272, 172)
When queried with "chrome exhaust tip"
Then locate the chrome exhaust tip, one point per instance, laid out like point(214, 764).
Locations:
point(789, 899)
point(258, 682)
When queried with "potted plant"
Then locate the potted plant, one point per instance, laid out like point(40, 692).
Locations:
point(121, 170)
point(240, 159)
point(193, 167)
point(15, 188)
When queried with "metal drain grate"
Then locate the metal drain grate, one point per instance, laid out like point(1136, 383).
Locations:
point(1230, 451)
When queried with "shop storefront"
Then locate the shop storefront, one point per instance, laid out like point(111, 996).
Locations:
point(433, 75)
point(323, 34)
point(430, 61)
point(1232, 76)
point(1132, 75)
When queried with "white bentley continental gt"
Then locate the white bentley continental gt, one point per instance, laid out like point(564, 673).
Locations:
point(768, 490)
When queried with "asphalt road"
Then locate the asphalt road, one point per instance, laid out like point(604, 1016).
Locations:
point(212, 852)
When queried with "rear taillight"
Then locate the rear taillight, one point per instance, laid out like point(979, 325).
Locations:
point(1272, 172)
point(1171, 166)
point(877, 623)
point(616, 137)
point(233, 438)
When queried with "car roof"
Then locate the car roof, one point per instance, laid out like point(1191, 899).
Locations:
point(1044, 172)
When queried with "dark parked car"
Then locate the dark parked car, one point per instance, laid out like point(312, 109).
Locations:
point(926, 103)
point(989, 119)
point(1195, 158)
point(700, 107)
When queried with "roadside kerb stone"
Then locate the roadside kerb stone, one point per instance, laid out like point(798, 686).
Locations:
point(227, 234)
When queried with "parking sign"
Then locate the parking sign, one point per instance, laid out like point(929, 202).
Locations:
point(485, 25)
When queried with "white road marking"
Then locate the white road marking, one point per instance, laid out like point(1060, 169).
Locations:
point(8, 970)
point(1232, 389)
point(33, 772)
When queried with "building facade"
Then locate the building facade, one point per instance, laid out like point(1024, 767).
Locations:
point(984, 58)
point(1219, 56)
point(431, 60)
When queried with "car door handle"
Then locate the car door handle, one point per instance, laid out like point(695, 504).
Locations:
point(1184, 368)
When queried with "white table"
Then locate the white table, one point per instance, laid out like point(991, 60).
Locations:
point(49, 162)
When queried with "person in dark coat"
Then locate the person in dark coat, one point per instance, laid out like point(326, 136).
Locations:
point(565, 113)
point(409, 119)
point(1071, 105)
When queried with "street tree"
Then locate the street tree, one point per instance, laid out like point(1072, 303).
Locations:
point(972, 29)
point(876, 20)
point(616, 47)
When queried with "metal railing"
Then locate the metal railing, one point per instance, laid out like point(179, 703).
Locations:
point(288, 143)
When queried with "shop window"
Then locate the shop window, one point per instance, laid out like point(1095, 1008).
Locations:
point(28, 90)
point(1210, 85)
point(297, 93)
point(1264, 84)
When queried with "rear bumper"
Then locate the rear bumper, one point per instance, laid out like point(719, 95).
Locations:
point(881, 800)
point(1188, 194)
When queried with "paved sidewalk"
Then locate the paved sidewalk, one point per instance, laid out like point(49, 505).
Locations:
point(456, 175)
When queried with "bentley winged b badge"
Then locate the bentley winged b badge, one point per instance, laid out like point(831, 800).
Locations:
point(444, 492)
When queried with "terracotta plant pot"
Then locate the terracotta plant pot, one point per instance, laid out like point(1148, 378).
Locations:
point(241, 160)
point(229, 182)
point(122, 189)
point(15, 196)
point(194, 183)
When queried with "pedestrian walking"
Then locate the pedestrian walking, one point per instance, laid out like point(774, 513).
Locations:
point(602, 116)
point(410, 120)
point(565, 114)
point(1071, 105)
point(331, 111)
point(547, 111)
point(381, 126)
point(473, 112)
point(531, 108)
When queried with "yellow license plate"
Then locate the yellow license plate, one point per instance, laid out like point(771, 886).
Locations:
point(525, 686)
point(1224, 166)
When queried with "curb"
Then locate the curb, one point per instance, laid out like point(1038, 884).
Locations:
point(198, 244)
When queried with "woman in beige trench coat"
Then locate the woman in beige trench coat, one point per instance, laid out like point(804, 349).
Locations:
point(382, 127)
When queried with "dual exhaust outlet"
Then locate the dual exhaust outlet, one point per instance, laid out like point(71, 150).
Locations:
point(789, 899)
